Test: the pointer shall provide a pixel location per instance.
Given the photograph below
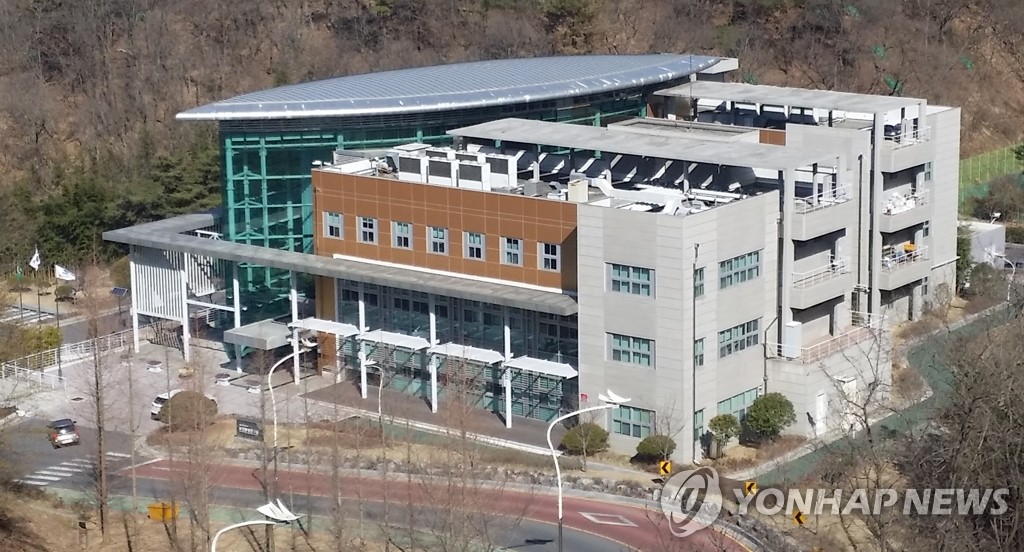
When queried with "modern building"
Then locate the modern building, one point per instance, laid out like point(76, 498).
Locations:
point(739, 239)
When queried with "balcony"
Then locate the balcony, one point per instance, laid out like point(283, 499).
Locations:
point(903, 264)
point(903, 211)
point(821, 214)
point(863, 328)
point(821, 284)
point(902, 149)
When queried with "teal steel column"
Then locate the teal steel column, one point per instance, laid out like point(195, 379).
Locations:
point(597, 118)
point(263, 201)
point(229, 188)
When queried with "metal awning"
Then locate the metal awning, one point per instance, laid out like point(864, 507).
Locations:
point(546, 367)
point(326, 326)
point(410, 342)
point(265, 335)
point(473, 354)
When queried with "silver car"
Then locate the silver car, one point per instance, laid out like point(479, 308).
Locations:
point(63, 432)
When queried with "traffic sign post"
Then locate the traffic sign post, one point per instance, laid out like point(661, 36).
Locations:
point(799, 517)
point(665, 467)
point(749, 488)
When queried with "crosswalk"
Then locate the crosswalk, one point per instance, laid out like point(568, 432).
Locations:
point(59, 472)
point(18, 315)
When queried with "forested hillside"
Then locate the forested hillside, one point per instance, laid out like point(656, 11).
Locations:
point(89, 88)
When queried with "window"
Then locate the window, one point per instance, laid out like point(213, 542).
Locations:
point(475, 245)
point(924, 287)
point(631, 279)
point(698, 424)
point(633, 422)
point(631, 350)
point(739, 269)
point(550, 256)
point(698, 282)
point(698, 353)
point(737, 338)
point(928, 171)
point(367, 230)
point(926, 228)
point(439, 240)
point(333, 227)
point(402, 232)
point(512, 251)
point(738, 405)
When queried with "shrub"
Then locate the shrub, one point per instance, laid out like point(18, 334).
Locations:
point(769, 414)
point(725, 427)
point(585, 439)
point(120, 273)
point(41, 338)
point(188, 411)
point(655, 448)
point(64, 292)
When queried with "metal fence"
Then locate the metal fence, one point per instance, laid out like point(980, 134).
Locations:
point(977, 171)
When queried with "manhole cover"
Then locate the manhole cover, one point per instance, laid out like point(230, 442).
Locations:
point(76, 399)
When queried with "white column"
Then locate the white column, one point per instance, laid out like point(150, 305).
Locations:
point(362, 367)
point(133, 281)
point(185, 337)
point(338, 346)
point(433, 320)
point(362, 310)
point(293, 294)
point(433, 383)
point(506, 378)
point(507, 334)
point(236, 291)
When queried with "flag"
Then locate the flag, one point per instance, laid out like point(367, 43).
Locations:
point(20, 274)
point(62, 273)
point(36, 261)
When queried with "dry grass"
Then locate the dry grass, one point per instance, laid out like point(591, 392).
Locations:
point(742, 457)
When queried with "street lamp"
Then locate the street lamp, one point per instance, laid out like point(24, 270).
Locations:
point(611, 400)
point(277, 513)
point(305, 348)
point(1013, 273)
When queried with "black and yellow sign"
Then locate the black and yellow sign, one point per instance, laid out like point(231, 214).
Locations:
point(799, 517)
point(749, 488)
point(665, 467)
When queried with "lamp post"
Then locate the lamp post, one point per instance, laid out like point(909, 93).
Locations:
point(277, 513)
point(1013, 273)
point(611, 400)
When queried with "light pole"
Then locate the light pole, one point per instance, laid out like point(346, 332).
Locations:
point(276, 512)
point(611, 400)
point(270, 384)
point(1013, 273)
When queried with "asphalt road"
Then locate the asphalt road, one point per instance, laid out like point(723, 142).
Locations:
point(79, 331)
point(32, 460)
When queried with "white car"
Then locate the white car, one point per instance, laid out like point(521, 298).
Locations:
point(159, 401)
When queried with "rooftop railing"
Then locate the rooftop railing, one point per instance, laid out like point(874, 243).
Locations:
point(865, 326)
point(828, 198)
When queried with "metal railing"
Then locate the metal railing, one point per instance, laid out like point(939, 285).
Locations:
point(892, 263)
point(828, 198)
point(912, 201)
point(811, 278)
point(865, 326)
point(904, 138)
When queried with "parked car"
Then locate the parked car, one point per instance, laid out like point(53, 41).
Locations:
point(63, 432)
point(160, 400)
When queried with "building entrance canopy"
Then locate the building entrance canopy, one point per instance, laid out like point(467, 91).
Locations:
point(264, 335)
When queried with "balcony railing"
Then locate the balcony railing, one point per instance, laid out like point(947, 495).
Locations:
point(811, 278)
point(901, 138)
point(899, 203)
point(825, 199)
point(866, 326)
point(903, 257)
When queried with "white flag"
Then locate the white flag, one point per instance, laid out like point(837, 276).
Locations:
point(36, 261)
point(62, 273)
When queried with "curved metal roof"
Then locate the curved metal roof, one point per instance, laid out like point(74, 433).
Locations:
point(455, 86)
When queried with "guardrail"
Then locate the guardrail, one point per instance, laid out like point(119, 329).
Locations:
point(910, 202)
point(895, 262)
point(828, 198)
point(811, 278)
point(866, 326)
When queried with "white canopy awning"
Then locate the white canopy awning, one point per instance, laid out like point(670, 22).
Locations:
point(546, 367)
point(410, 342)
point(326, 326)
point(474, 354)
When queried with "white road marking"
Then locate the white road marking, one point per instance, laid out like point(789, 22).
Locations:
point(608, 519)
point(78, 462)
point(69, 471)
point(36, 483)
point(118, 455)
point(53, 472)
point(42, 477)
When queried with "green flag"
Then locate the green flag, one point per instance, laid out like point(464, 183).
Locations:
point(19, 273)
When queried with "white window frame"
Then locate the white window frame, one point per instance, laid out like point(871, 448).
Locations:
point(739, 269)
point(698, 353)
point(633, 282)
point(638, 351)
point(512, 255)
point(368, 228)
point(438, 245)
point(549, 256)
point(330, 225)
point(469, 248)
point(698, 282)
point(739, 338)
point(401, 234)
point(623, 415)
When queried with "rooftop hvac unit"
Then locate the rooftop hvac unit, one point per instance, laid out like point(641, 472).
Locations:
point(472, 157)
point(792, 339)
point(441, 172)
point(579, 191)
point(416, 149)
point(474, 176)
point(412, 169)
point(503, 169)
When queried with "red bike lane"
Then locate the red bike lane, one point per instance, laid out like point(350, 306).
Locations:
point(633, 527)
